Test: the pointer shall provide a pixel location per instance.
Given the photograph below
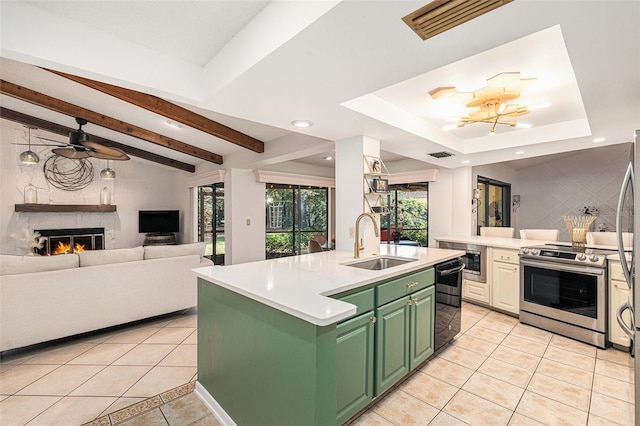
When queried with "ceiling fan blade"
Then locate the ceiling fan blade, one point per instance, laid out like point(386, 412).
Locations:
point(70, 153)
point(105, 152)
point(39, 144)
point(50, 140)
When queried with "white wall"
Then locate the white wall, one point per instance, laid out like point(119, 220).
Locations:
point(562, 186)
point(139, 185)
point(244, 213)
point(440, 206)
point(350, 193)
point(450, 204)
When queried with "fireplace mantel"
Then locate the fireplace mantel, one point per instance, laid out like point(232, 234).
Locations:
point(65, 208)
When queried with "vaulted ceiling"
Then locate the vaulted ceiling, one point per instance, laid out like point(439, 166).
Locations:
point(232, 75)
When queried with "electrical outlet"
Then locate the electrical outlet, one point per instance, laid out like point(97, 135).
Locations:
point(352, 232)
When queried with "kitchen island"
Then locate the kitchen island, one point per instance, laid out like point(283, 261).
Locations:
point(271, 346)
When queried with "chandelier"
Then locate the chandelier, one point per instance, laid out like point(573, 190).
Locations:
point(493, 104)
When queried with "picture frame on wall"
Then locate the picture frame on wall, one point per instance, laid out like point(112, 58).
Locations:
point(380, 185)
point(376, 166)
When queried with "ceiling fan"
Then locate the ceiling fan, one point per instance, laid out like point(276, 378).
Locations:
point(80, 146)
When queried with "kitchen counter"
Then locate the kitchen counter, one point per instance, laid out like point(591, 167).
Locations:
point(507, 243)
point(299, 285)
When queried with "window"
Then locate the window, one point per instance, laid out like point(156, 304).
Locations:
point(211, 220)
point(294, 215)
point(407, 222)
point(494, 208)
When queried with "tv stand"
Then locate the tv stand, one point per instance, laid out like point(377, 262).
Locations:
point(160, 239)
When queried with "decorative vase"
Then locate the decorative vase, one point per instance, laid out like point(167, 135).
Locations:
point(30, 194)
point(105, 196)
point(578, 226)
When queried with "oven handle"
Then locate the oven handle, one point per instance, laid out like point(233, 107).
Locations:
point(585, 270)
point(451, 271)
point(623, 325)
point(628, 178)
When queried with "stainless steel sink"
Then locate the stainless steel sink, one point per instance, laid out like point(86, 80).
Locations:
point(379, 263)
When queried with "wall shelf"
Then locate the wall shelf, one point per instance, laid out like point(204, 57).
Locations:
point(65, 208)
point(374, 169)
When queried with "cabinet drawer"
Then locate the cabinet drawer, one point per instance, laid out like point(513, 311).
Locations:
point(615, 271)
point(477, 291)
point(402, 286)
point(503, 255)
point(362, 299)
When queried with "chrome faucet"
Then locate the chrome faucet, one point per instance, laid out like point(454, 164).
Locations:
point(357, 247)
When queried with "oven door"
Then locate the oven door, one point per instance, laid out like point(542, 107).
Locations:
point(572, 294)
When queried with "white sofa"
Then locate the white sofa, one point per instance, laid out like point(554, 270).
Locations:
point(49, 297)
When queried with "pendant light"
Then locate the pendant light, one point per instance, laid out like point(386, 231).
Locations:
point(108, 173)
point(29, 157)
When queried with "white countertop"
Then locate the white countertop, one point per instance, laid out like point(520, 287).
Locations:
point(517, 243)
point(508, 243)
point(299, 285)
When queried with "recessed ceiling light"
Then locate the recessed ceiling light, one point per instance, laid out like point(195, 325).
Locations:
point(466, 161)
point(302, 123)
point(174, 124)
point(519, 152)
point(328, 158)
point(596, 140)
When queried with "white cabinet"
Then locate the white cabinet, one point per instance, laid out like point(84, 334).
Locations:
point(476, 291)
point(618, 295)
point(505, 280)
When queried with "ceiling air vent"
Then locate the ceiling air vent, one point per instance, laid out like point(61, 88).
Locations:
point(442, 15)
point(442, 154)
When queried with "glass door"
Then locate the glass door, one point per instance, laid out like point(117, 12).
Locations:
point(294, 215)
point(494, 208)
point(407, 222)
point(211, 221)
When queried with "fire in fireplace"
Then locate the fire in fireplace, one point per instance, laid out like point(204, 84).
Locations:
point(62, 241)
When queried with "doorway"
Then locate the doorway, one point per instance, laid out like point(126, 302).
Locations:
point(494, 209)
point(407, 222)
point(211, 221)
point(294, 215)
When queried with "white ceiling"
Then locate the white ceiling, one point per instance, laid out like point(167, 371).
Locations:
point(352, 67)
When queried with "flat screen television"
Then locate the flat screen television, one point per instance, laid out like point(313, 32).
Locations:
point(158, 221)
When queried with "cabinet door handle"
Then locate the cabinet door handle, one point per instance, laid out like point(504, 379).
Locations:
point(373, 320)
point(412, 284)
point(409, 302)
point(415, 300)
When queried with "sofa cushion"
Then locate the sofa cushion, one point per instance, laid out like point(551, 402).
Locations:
point(159, 252)
point(102, 257)
point(10, 264)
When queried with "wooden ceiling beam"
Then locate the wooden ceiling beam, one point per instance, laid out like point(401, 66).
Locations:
point(58, 129)
point(45, 101)
point(171, 111)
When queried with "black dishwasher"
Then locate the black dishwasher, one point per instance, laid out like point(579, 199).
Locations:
point(448, 301)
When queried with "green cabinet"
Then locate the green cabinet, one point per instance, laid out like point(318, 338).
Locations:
point(390, 335)
point(404, 336)
point(392, 343)
point(354, 358)
point(421, 322)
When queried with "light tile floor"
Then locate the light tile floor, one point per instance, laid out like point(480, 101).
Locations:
point(496, 372)
point(500, 372)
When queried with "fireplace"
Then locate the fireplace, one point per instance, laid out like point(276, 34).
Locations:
point(62, 241)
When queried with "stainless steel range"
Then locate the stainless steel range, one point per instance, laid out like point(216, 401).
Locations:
point(564, 291)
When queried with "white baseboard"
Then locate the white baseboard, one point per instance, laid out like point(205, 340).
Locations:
point(213, 406)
